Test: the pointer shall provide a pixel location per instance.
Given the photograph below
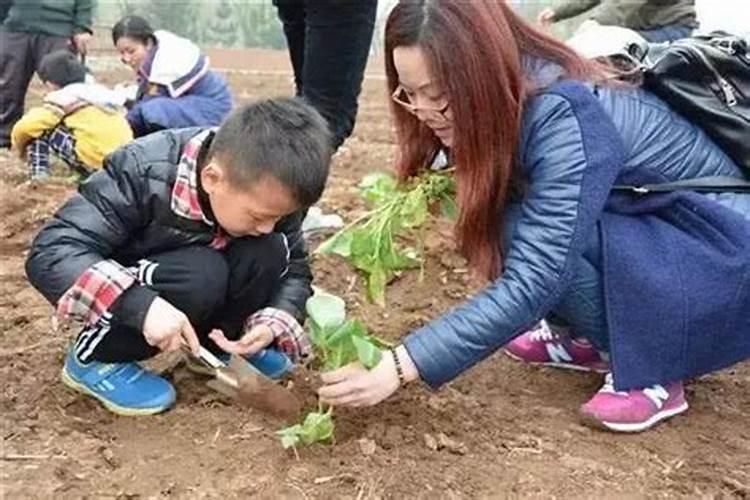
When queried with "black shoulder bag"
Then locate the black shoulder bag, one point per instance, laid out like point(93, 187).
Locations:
point(707, 80)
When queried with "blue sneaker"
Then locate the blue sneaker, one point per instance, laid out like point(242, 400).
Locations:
point(270, 362)
point(124, 388)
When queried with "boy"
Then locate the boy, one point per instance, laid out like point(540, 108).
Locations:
point(186, 236)
point(80, 122)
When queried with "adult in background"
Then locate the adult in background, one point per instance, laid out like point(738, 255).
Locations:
point(329, 41)
point(539, 137)
point(655, 20)
point(176, 86)
point(30, 30)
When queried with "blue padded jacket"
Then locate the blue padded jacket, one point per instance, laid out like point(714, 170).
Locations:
point(686, 254)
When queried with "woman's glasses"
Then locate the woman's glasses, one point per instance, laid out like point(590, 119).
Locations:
point(401, 98)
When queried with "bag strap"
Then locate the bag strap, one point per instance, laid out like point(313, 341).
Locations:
point(713, 184)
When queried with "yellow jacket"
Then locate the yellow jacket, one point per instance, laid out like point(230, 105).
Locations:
point(98, 130)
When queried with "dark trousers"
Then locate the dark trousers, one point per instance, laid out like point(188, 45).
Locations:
point(214, 289)
point(329, 41)
point(20, 54)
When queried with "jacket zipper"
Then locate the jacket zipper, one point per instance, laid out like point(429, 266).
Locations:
point(724, 85)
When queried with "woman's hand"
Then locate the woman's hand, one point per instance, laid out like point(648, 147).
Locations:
point(354, 385)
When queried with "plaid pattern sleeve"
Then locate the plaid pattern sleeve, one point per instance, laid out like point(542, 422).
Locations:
point(95, 291)
point(290, 337)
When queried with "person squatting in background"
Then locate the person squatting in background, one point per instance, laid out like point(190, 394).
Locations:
point(79, 122)
point(176, 86)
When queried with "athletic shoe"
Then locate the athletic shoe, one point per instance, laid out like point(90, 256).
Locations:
point(635, 410)
point(554, 347)
point(123, 388)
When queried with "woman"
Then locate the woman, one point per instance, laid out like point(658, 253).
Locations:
point(176, 88)
point(660, 282)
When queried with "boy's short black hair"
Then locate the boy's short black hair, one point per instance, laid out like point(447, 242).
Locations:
point(62, 68)
point(282, 137)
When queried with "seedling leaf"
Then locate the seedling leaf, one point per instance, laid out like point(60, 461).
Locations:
point(370, 242)
point(367, 352)
point(326, 310)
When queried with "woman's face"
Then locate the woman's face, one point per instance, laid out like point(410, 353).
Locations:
point(132, 52)
point(420, 95)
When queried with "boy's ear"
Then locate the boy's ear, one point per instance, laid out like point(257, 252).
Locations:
point(212, 175)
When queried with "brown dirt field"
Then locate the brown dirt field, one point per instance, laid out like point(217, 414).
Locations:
point(517, 426)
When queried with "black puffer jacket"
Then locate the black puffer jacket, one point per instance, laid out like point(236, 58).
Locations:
point(123, 213)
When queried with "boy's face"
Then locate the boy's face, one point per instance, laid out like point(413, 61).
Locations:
point(247, 211)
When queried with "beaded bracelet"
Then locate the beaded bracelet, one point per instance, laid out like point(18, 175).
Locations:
point(399, 370)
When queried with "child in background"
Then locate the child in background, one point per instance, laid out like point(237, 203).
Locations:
point(80, 122)
point(186, 236)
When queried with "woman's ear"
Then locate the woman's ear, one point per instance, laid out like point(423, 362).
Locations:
point(212, 175)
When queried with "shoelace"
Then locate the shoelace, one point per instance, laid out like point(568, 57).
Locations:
point(543, 332)
point(609, 386)
point(656, 393)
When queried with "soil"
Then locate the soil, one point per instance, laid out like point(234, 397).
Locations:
point(501, 430)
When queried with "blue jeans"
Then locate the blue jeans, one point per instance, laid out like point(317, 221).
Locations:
point(581, 307)
point(666, 33)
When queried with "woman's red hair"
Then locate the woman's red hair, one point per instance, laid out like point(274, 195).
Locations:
point(474, 50)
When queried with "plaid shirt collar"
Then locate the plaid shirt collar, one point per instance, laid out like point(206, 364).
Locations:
point(185, 196)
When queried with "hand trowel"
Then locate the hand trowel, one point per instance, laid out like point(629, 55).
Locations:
point(242, 382)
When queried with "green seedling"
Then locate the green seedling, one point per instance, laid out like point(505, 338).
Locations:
point(337, 342)
point(317, 427)
point(369, 243)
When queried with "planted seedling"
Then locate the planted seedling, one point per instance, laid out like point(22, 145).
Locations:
point(369, 242)
point(337, 342)
point(317, 427)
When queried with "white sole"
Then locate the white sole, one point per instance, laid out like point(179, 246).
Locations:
point(552, 364)
point(637, 427)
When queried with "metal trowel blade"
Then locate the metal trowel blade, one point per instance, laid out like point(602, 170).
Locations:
point(254, 389)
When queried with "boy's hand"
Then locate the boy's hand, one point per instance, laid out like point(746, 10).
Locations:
point(255, 339)
point(167, 328)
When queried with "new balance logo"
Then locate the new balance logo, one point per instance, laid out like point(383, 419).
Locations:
point(657, 394)
point(558, 353)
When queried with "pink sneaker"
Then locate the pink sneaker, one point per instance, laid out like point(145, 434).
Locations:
point(634, 410)
point(545, 346)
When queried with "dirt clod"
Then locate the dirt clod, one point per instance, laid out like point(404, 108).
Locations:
point(367, 446)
